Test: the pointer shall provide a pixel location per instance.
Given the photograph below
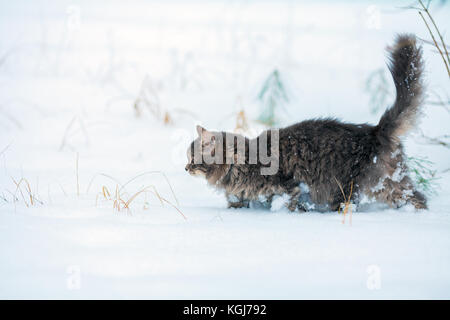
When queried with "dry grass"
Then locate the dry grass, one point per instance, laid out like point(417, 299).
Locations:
point(72, 130)
point(4, 149)
point(149, 99)
point(118, 195)
point(424, 11)
point(347, 205)
point(241, 122)
point(121, 199)
point(436, 44)
point(26, 193)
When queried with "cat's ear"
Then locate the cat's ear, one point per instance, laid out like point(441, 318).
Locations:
point(200, 130)
point(205, 135)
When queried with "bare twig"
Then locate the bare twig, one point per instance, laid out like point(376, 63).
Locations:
point(347, 201)
point(4, 149)
point(62, 189)
point(435, 43)
point(437, 29)
point(63, 142)
point(437, 140)
point(430, 43)
point(443, 104)
point(153, 172)
point(11, 118)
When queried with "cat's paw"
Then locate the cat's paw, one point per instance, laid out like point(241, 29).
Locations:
point(237, 205)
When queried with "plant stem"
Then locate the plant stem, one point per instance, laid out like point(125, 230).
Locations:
point(437, 30)
point(435, 43)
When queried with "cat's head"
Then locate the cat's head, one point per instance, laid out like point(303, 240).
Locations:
point(207, 155)
point(213, 153)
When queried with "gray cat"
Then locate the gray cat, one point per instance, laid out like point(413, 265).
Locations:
point(321, 160)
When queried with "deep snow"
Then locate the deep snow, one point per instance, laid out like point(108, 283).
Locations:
point(67, 87)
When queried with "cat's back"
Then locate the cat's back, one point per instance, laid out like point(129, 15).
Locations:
point(326, 131)
point(327, 140)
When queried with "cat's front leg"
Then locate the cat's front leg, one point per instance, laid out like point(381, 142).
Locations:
point(237, 201)
point(294, 195)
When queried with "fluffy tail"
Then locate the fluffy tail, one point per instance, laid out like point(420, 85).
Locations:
point(406, 66)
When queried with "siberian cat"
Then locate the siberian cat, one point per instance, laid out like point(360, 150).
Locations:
point(320, 160)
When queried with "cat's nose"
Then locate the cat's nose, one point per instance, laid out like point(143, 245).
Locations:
point(186, 168)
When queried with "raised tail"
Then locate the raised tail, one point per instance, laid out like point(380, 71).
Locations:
point(406, 66)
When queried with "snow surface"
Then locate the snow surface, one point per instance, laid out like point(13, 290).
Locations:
point(67, 88)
